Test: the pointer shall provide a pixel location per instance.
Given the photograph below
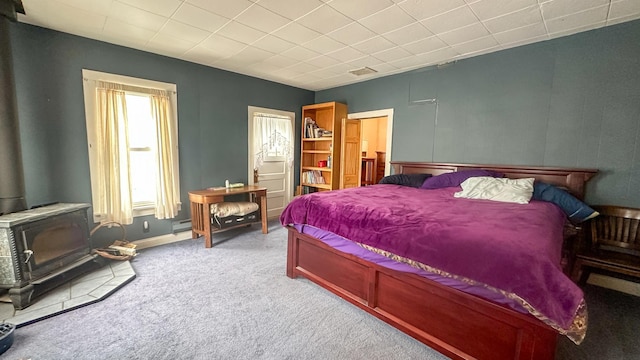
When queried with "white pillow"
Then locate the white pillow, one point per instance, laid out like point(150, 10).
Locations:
point(497, 189)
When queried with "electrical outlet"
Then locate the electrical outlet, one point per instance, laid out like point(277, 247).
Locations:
point(145, 226)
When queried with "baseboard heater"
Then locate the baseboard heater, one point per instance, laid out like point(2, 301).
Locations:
point(181, 225)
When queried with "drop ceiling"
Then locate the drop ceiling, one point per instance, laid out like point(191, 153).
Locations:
point(320, 44)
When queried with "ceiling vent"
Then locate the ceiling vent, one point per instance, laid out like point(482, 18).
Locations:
point(363, 71)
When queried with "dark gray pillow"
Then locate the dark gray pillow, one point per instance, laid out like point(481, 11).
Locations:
point(412, 180)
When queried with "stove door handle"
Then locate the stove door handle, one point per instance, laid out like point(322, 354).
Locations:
point(29, 253)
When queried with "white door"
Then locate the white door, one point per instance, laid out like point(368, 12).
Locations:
point(275, 173)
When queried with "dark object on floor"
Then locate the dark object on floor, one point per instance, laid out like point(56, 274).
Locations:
point(6, 336)
point(614, 245)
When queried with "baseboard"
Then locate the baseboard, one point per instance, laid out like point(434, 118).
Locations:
point(608, 282)
point(162, 240)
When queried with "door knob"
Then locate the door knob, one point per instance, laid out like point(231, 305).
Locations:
point(255, 175)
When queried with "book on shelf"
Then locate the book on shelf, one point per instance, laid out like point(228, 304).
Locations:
point(312, 177)
point(308, 190)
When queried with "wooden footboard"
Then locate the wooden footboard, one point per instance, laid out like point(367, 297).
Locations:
point(456, 324)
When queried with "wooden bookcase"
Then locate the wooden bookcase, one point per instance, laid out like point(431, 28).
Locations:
point(321, 151)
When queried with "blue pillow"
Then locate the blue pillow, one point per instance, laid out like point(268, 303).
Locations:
point(456, 178)
point(413, 180)
point(576, 210)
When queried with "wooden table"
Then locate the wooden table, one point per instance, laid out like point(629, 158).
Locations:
point(201, 201)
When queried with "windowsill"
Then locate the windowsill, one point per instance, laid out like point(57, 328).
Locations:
point(143, 211)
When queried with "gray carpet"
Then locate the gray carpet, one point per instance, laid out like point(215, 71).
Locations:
point(234, 302)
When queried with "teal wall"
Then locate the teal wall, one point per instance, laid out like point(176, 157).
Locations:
point(212, 113)
point(572, 101)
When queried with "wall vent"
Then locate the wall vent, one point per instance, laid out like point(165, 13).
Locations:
point(363, 71)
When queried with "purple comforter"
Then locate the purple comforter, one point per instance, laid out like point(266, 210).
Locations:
point(513, 248)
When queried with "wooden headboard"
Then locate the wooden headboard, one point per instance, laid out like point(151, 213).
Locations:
point(571, 179)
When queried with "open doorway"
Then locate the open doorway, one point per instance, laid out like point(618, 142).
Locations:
point(375, 144)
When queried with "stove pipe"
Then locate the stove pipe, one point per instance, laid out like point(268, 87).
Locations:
point(12, 197)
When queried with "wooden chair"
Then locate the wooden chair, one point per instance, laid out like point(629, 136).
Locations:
point(614, 244)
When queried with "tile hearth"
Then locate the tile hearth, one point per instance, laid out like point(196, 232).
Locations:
point(84, 290)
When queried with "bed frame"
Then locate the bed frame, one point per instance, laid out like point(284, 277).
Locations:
point(457, 324)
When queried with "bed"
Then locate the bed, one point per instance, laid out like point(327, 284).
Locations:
point(443, 311)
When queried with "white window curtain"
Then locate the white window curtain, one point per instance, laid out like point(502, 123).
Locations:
point(111, 188)
point(112, 192)
point(271, 132)
point(167, 202)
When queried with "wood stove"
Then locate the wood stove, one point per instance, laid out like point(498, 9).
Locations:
point(42, 248)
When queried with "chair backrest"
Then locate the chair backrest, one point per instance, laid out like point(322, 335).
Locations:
point(616, 228)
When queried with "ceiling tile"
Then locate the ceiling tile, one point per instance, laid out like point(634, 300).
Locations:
point(300, 53)
point(96, 6)
point(488, 9)
point(251, 55)
point(368, 61)
point(164, 8)
point(226, 8)
point(373, 45)
point(524, 17)
point(273, 44)
point(425, 45)
point(280, 61)
point(68, 18)
point(556, 9)
point(200, 18)
point(291, 9)
point(117, 27)
point(323, 44)
point(202, 55)
point(262, 19)
point(222, 46)
point(420, 9)
point(135, 16)
point(358, 9)
point(264, 67)
point(351, 34)
point(324, 19)
point(624, 8)
point(577, 20)
point(166, 44)
point(322, 61)
point(392, 54)
point(464, 34)
point(185, 32)
point(408, 63)
point(448, 21)
point(239, 32)
point(408, 34)
point(387, 20)
point(296, 33)
point(346, 54)
point(476, 45)
point(303, 67)
point(519, 34)
point(440, 56)
point(525, 41)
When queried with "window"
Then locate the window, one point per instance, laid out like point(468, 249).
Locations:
point(133, 148)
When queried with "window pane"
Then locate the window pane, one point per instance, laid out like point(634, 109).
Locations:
point(141, 127)
point(143, 176)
